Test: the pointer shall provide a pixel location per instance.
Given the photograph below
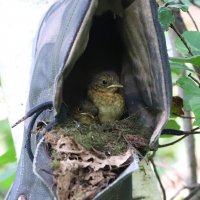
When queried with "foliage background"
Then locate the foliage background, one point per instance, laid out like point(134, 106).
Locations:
point(7, 151)
point(16, 41)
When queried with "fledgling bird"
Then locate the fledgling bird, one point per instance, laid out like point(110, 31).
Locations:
point(105, 95)
point(86, 113)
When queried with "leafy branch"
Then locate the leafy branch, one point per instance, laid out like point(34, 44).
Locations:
point(182, 39)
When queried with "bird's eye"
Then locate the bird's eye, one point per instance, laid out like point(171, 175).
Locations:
point(80, 109)
point(104, 82)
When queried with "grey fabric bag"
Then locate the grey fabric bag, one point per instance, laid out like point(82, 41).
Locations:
point(75, 38)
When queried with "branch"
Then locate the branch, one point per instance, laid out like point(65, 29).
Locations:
point(194, 79)
point(182, 39)
point(177, 193)
point(159, 180)
point(172, 143)
point(196, 189)
point(192, 187)
point(177, 133)
point(194, 129)
point(193, 21)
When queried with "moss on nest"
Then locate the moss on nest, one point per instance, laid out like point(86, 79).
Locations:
point(110, 139)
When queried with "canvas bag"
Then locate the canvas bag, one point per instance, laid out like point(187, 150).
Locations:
point(65, 43)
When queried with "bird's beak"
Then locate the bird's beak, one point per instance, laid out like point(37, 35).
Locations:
point(87, 114)
point(115, 86)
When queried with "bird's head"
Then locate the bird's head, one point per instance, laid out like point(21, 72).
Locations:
point(86, 112)
point(106, 81)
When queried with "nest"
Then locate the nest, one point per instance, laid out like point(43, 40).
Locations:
point(86, 159)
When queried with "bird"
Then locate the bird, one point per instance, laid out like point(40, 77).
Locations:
point(86, 113)
point(104, 93)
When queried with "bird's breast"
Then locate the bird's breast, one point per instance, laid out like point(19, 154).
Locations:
point(110, 105)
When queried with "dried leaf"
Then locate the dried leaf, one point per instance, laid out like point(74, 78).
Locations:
point(137, 141)
point(177, 106)
point(63, 183)
point(51, 138)
point(82, 173)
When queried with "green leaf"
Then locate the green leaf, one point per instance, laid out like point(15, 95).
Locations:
point(189, 86)
point(5, 185)
point(5, 132)
point(192, 97)
point(186, 2)
point(7, 175)
point(7, 160)
point(8, 157)
point(178, 67)
point(195, 60)
point(193, 40)
point(6, 141)
point(165, 17)
point(195, 106)
point(184, 8)
point(172, 124)
point(10, 170)
point(169, 1)
point(197, 2)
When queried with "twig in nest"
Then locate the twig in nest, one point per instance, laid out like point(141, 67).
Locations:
point(134, 149)
point(159, 180)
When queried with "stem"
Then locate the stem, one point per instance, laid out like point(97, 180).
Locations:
point(172, 143)
point(195, 191)
point(194, 79)
point(159, 180)
point(194, 129)
point(193, 21)
point(192, 187)
point(182, 39)
point(178, 132)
